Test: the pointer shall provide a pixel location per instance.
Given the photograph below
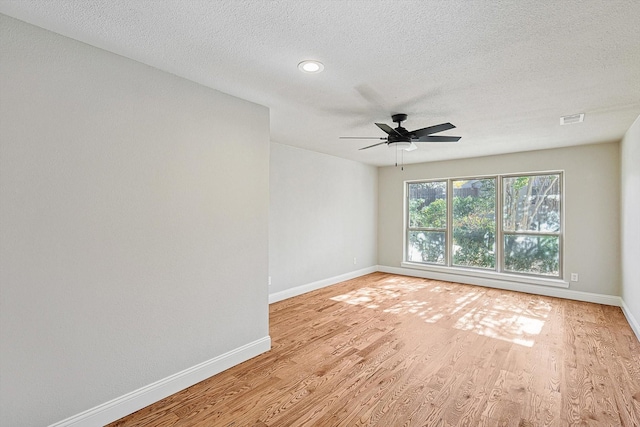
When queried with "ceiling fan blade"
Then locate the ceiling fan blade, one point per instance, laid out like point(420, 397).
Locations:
point(362, 137)
point(372, 97)
point(379, 143)
point(439, 138)
point(412, 147)
point(432, 129)
point(388, 129)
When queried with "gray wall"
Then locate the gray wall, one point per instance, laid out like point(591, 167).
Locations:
point(630, 231)
point(592, 203)
point(134, 225)
point(322, 214)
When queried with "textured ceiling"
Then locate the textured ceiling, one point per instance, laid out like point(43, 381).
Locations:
point(502, 71)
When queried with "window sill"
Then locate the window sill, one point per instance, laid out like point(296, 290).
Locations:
point(504, 277)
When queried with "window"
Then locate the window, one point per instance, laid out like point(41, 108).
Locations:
point(474, 223)
point(427, 222)
point(453, 223)
point(531, 224)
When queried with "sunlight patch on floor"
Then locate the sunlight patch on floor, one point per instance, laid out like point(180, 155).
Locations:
point(507, 322)
point(421, 309)
point(506, 319)
point(373, 297)
point(466, 300)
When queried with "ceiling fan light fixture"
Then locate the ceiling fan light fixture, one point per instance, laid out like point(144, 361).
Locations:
point(311, 67)
point(399, 144)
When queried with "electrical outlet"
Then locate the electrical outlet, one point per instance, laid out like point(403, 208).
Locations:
point(355, 261)
point(269, 280)
point(574, 277)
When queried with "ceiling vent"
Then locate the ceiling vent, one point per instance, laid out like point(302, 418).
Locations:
point(574, 118)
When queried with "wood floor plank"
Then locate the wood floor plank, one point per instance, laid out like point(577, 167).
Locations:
point(389, 350)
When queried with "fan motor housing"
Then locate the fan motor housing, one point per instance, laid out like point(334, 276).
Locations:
point(402, 134)
point(397, 138)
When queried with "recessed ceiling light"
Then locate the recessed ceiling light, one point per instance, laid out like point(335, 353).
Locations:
point(311, 66)
point(574, 118)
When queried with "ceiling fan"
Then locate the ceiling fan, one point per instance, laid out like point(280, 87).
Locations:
point(406, 139)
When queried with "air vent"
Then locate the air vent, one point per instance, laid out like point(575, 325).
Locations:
point(574, 118)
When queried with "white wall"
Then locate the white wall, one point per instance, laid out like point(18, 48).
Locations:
point(592, 201)
point(630, 227)
point(322, 214)
point(134, 225)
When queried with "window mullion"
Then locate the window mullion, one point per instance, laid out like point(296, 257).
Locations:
point(405, 250)
point(449, 231)
point(499, 225)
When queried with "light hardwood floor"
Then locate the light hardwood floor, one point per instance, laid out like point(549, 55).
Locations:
point(387, 350)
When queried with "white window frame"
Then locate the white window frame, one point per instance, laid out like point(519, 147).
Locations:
point(498, 273)
point(445, 230)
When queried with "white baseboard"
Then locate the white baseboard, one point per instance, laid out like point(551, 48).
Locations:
point(138, 399)
point(633, 322)
point(302, 289)
point(507, 285)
